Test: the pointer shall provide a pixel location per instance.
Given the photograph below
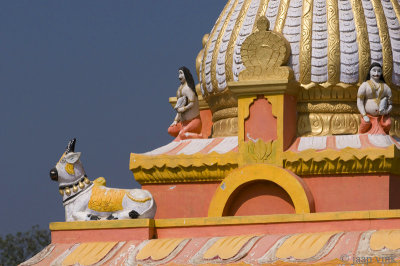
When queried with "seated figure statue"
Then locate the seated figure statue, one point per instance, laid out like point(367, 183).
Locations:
point(187, 123)
point(374, 103)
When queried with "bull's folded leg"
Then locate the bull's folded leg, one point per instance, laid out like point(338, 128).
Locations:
point(133, 214)
point(111, 217)
point(93, 217)
point(80, 216)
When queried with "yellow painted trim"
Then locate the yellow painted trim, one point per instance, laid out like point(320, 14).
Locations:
point(232, 41)
point(243, 113)
point(281, 17)
point(364, 61)
point(274, 91)
point(104, 199)
point(344, 154)
point(333, 41)
point(84, 225)
point(267, 87)
point(255, 172)
point(304, 246)
point(305, 42)
point(88, 253)
point(385, 238)
point(262, 9)
point(278, 109)
point(182, 168)
point(69, 168)
point(197, 159)
point(215, 52)
point(137, 200)
point(387, 67)
point(232, 220)
point(207, 46)
point(227, 247)
point(278, 218)
point(345, 161)
point(158, 249)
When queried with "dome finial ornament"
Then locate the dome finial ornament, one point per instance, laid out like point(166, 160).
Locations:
point(265, 54)
point(263, 24)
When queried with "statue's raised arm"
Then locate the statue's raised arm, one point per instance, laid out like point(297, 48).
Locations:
point(374, 102)
point(187, 122)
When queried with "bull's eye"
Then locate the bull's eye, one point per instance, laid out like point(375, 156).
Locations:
point(69, 168)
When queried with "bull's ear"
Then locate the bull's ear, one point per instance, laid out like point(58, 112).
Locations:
point(72, 157)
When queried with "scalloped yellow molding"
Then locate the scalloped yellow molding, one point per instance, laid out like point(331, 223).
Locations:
point(215, 167)
point(345, 161)
point(182, 168)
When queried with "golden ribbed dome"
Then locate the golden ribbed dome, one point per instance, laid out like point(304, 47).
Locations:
point(333, 43)
point(331, 40)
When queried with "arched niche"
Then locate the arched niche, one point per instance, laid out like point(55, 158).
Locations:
point(245, 185)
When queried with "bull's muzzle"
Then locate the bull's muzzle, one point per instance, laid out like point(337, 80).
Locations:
point(54, 174)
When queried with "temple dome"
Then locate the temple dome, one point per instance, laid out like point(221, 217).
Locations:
point(333, 43)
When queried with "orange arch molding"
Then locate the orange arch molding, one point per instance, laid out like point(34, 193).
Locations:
point(296, 188)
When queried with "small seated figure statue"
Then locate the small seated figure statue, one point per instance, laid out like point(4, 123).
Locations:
point(187, 122)
point(374, 102)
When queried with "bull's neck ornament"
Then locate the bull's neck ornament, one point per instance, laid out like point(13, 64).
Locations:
point(71, 191)
point(87, 200)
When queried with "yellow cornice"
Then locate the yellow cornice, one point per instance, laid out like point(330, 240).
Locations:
point(345, 161)
point(232, 220)
point(182, 168)
point(183, 160)
point(214, 167)
point(83, 225)
point(266, 87)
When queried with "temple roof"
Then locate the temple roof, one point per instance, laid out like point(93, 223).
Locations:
point(324, 238)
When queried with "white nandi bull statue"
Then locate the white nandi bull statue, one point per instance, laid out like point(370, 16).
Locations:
point(87, 200)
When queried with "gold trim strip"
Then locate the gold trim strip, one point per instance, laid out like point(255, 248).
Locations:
point(385, 41)
point(203, 75)
point(232, 41)
point(333, 42)
point(279, 218)
point(281, 17)
point(305, 42)
point(101, 224)
point(364, 52)
point(396, 7)
point(218, 221)
point(217, 45)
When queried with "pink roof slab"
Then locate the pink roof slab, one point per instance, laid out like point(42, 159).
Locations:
point(192, 146)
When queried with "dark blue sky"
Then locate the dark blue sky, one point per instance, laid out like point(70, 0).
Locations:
point(100, 71)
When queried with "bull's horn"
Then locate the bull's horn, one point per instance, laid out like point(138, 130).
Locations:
point(71, 146)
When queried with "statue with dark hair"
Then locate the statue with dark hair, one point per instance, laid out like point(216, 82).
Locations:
point(187, 122)
point(374, 101)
